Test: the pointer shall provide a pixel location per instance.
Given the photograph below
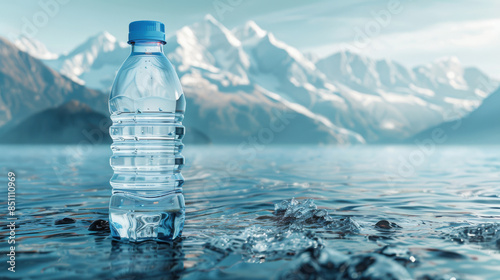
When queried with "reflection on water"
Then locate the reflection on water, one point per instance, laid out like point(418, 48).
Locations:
point(289, 211)
point(148, 258)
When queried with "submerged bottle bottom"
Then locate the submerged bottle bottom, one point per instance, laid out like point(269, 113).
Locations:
point(135, 217)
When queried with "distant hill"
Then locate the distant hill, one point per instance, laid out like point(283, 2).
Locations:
point(70, 123)
point(73, 123)
point(479, 127)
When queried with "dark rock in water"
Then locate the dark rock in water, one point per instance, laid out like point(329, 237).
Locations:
point(426, 277)
point(315, 263)
point(379, 237)
point(384, 224)
point(325, 263)
point(401, 255)
point(65, 221)
point(446, 254)
point(99, 225)
point(498, 243)
point(386, 230)
point(298, 214)
point(373, 267)
point(438, 277)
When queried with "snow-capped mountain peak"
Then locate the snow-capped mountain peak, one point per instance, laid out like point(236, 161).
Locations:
point(101, 42)
point(88, 62)
point(103, 36)
point(214, 30)
point(252, 25)
point(34, 48)
point(269, 44)
point(446, 70)
point(249, 33)
point(210, 46)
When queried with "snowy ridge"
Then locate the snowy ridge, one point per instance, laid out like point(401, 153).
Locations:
point(81, 64)
point(34, 48)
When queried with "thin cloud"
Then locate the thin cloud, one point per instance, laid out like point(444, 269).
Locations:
point(473, 42)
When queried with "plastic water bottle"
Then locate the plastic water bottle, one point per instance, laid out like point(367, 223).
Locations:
point(147, 108)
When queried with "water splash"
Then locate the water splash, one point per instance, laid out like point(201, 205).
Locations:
point(298, 214)
point(257, 244)
point(290, 236)
point(488, 235)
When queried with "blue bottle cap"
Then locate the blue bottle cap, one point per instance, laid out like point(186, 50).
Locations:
point(146, 30)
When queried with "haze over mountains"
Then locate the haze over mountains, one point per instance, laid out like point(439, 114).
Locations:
point(239, 81)
point(479, 127)
point(28, 86)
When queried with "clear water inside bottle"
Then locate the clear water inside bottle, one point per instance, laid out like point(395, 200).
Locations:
point(147, 108)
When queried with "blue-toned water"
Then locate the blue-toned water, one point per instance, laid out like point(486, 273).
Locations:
point(291, 212)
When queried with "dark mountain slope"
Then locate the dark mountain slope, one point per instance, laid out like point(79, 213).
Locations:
point(482, 126)
point(27, 87)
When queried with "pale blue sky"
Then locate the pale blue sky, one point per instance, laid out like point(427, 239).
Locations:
point(419, 31)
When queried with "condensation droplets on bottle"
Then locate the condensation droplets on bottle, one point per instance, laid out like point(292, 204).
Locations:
point(147, 107)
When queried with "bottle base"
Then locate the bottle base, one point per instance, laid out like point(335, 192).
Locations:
point(137, 218)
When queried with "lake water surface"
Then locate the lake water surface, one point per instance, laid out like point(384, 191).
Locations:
point(292, 212)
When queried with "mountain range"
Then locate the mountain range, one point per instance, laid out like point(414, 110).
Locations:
point(237, 80)
point(28, 86)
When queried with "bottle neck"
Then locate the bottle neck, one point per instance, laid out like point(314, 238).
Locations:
point(141, 47)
